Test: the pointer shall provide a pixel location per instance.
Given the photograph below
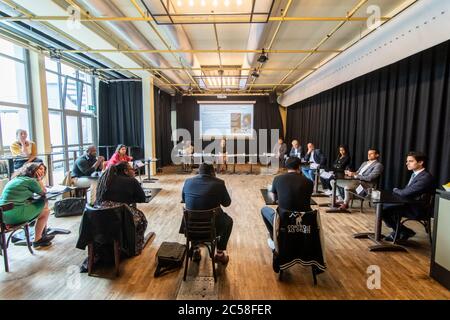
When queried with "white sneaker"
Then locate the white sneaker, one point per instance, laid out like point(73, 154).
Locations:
point(271, 244)
point(328, 192)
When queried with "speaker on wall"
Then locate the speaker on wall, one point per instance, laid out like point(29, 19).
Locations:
point(273, 97)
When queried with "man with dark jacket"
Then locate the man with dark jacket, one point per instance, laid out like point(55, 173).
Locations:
point(204, 192)
point(315, 158)
point(420, 186)
point(280, 150)
point(292, 190)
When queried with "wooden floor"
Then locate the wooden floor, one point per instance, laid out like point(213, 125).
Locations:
point(53, 273)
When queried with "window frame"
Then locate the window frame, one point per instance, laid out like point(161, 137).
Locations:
point(29, 106)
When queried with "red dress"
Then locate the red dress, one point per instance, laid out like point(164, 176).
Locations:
point(116, 158)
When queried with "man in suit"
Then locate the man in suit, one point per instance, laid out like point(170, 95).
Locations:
point(280, 150)
point(367, 175)
point(420, 186)
point(203, 192)
point(296, 150)
point(315, 158)
point(293, 192)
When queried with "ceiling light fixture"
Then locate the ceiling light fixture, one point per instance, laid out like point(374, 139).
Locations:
point(203, 3)
point(255, 73)
point(215, 3)
point(238, 2)
point(191, 3)
point(226, 3)
point(179, 3)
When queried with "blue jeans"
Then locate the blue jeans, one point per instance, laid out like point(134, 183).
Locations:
point(267, 215)
point(309, 173)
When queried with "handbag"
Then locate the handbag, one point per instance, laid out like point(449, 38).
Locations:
point(69, 207)
point(170, 256)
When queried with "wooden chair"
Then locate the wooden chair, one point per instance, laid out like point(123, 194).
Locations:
point(424, 220)
point(200, 228)
point(11, 229)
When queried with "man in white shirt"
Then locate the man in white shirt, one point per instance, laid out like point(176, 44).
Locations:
point(367, 175)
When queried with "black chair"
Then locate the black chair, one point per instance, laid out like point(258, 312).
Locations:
point(425, 220)
point(200, 228)
point(102, 226)
point(356, 196)
point(11, 229)
point(298, 241)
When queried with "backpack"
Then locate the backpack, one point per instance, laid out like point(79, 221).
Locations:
point(170, 256)
point(69, 207)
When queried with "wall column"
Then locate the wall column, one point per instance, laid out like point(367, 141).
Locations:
point(40, 109)
point(148, 103)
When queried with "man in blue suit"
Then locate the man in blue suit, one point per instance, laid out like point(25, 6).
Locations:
point(315, 158)
point(420, 186)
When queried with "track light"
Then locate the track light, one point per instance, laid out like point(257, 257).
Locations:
point(255, 74)
point(263, 57)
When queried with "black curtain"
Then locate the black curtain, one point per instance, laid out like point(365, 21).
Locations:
point(120, 116)
point(401, 107)
point(265, 115)
point(163, 127)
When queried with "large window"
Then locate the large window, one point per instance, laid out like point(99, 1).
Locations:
point(15, 103)
point(72, 113)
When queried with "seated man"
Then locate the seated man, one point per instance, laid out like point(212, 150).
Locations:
point(421, 183)
point(204, 192)
point(296, 150)
point(367, 175)
point(293, 192)
point(315, 157)
point(84, 167)
point(280, 150)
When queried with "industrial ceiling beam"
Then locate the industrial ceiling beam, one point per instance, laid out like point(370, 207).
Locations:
point(256, 84)
point(328, 36)
point(149, 18)
point(220, 50)
point(309, 73)
point(177, 58)
point(269, 47)
point(195, 69)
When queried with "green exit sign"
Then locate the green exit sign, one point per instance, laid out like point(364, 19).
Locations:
point(91, 108)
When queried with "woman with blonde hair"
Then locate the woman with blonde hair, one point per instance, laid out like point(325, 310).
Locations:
point(24, 149)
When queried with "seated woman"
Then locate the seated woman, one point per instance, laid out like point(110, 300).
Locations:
point(341, 163)
point(26, 182)
point(119, 156)
point(24, 149)
point(222, 159)
point(118, 186)
point(187, 152)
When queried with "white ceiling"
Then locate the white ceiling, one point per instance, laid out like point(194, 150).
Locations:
point(292, 35)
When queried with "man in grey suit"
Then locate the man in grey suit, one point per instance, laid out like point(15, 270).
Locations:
point(367, 175)
point(296, 150)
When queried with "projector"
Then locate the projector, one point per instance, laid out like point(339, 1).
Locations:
point(221, 96)
point(263, 57)
point(255, 74)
